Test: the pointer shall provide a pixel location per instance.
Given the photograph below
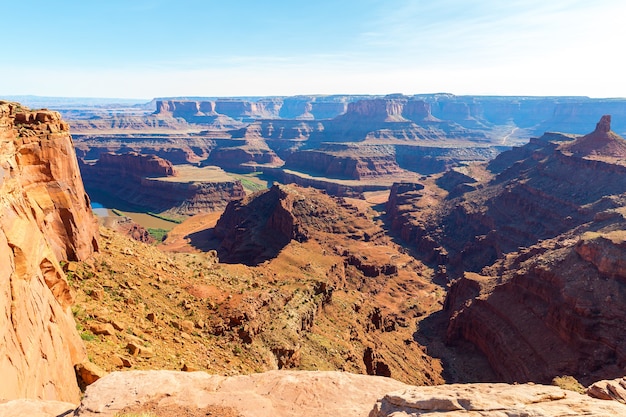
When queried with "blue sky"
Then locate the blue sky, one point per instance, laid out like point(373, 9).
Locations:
point(154, 48)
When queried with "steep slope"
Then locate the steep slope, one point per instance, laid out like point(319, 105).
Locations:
point(555, 308)
point(45, 218)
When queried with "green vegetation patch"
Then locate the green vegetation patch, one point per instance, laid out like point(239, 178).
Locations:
point(251, 182)
point(157, 233)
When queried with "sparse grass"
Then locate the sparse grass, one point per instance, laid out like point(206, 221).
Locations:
point(158, 234)
point(251, 182)
point(568, 383)
point(87, 336)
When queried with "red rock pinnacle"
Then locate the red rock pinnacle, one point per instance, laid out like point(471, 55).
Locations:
point(604, 125)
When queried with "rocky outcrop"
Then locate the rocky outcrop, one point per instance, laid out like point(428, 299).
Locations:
point(45, 218)
point(393, 118)
point(186, 197)
point(602, 143)
point(177, 149)
point(206, 111)
point(256, 228)
point(614, 389)
point(311, 107)
point(39, 408)
point(248, 155)
point(298, 107)
point(275, 393)
point(198, 112)
point(492, 400)
point(433, 159)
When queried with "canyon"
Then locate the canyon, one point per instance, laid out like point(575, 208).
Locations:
point(324, 141)
point(486, 263)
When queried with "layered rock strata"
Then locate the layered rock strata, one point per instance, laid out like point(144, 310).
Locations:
point(346, 161)
point(45, 218)
point(552, 309)
point(152, 183)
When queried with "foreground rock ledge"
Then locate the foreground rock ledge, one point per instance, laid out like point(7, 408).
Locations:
point(321, 394)
point(271, 394)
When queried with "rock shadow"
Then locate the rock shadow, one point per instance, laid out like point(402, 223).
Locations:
point(236, 248)
point(204, 240)
point(462, 362)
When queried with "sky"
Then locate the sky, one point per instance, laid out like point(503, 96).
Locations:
point(162, 48)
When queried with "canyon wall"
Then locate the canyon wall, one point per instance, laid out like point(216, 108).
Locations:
point(45, 218)
point(297, 107)
point(152, 183)
point(346, 162)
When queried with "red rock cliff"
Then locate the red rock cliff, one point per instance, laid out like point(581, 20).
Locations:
point(45, 218)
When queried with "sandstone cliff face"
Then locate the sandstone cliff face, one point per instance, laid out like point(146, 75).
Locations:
point(45, 218)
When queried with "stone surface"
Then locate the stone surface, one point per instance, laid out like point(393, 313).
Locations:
point(45, 218)
point(493, 400)
point(38, 408)
point(275, 393)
